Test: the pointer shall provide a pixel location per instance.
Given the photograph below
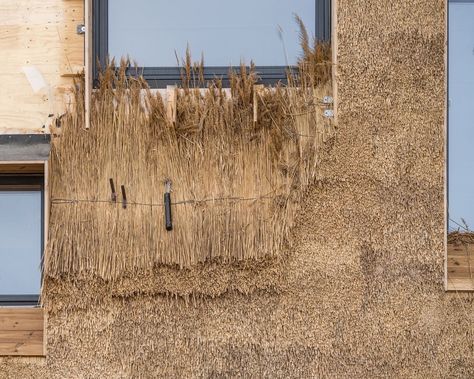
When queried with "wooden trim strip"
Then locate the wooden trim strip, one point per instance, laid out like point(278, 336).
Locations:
point(22, 331)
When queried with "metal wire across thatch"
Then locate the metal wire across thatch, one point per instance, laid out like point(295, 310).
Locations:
point(238, 161)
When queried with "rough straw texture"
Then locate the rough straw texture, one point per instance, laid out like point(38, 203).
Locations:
point(360, 293)
point(238, 163)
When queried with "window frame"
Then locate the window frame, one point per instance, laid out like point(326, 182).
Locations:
point(25, 182)
point(161, 77)
point(449, 286)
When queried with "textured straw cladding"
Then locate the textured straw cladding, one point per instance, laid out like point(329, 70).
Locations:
point(238, 162)
point(360, 293)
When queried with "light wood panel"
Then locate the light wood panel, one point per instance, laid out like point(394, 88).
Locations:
point(40, 34)
point(460, 266)
point(22, 331)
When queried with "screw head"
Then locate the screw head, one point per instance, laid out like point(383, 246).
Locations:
point(328, 113)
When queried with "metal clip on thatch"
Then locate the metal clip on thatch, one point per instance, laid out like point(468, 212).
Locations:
point(112, 189)
point(168, 220)
point(124, 197)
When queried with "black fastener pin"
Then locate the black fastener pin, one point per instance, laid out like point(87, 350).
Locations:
point(124, 197)
point(112, 189)
point(167, 198)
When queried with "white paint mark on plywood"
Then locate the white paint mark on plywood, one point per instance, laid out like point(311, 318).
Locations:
point(35, 78)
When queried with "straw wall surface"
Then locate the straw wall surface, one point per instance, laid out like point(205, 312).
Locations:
point(237, 162)
point(360, 294)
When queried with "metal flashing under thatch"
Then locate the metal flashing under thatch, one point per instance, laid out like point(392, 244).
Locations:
point(24, 147)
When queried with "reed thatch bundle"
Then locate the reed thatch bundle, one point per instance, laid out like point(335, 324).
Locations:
point(238, 161)
point(458, 237)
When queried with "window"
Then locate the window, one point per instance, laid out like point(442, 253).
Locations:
point(21, 236)
point(23, 183)
point(460, 259)
point(155, 32)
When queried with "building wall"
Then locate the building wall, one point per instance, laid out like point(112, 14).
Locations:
point(360, 293)
point(39, 37)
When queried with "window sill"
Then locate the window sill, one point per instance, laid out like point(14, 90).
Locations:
point(22, 332)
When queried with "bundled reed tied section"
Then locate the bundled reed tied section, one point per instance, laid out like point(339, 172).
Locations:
point(238, 161)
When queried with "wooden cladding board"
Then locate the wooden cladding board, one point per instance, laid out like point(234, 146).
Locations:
point(21, 168)
point(21, 331)
point(38, 35)
point(460, 267)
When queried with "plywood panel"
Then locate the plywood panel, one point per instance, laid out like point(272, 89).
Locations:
point(460, 266)
point(40, 34)
point(21, 331)
point(36, 12)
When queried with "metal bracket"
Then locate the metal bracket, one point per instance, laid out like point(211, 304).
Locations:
point(329, 113)
point(328, 100)
point(168, 186)
point(81, 29)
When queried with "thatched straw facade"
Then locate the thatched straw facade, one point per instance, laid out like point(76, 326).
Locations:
point(238, 162)
point(358, 294)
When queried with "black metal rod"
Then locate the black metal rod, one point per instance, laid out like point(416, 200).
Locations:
point(124, 197)
point(112, 188)
point(168, 219)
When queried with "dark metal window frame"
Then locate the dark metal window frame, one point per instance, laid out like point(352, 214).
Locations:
point(24, 182)
point(446, 169)
point(447, 116)
point(160, 77)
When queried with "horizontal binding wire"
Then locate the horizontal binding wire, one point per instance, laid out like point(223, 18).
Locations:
point(182, 202)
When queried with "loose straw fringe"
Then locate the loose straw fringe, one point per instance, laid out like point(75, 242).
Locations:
point(213, 151)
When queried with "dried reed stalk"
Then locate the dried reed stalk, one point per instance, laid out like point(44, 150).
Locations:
point(214, 150)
